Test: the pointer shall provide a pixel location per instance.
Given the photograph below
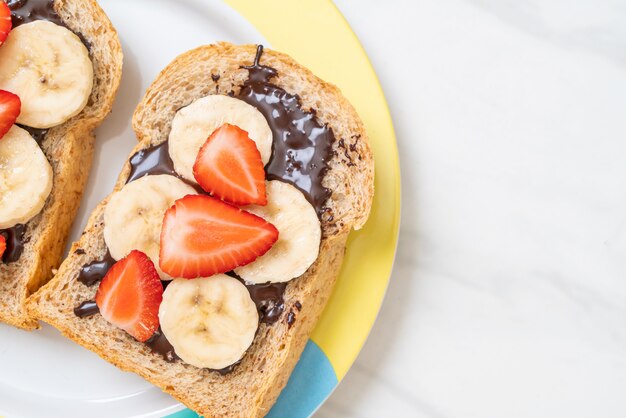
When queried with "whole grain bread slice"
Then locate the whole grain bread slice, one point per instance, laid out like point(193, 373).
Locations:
point(69, 149)
point(252, 388)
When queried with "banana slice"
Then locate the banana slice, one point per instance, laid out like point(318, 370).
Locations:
point(192, 126)
point(49, 68)
point(210, 321)
point(25, 178)
point(299, 234)
point(134, 216)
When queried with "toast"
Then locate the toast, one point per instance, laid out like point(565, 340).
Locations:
point(254, 384)
point(69, 149)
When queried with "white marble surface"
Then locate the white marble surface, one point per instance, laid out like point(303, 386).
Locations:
point(508, 297)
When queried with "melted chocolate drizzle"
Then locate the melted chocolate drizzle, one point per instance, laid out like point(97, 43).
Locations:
point(38, 134)
point(268, 299)
point(302, 146)
point(14, 238)
point(86, 309)
point(156, 160)
point(92, 273)
point(26, 11)
point(159, 344)
point(151, 161)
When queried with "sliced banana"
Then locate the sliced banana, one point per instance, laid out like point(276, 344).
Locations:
point(210, 321)
point(49, 68)
point(25, 178)
point(134, 215)
point(299, 235)
point(192, 126)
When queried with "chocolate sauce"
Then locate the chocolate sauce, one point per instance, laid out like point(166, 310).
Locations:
point(302, 146)
point(14, 238)
point(26, 11)
point(151, 161)
point(269, 300)
point(38, 134)
point(92, 273)
point(159, 344)
point(291, 316)
point(86, 309)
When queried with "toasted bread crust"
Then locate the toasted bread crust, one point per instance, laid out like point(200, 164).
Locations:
point(252, 388)
point(69, 149)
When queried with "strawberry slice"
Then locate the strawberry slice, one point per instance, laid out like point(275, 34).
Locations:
point(130, 294)
point(10, 106)
point(5, 21)
point(3, 245)
point(203, 236)
point(229, 166)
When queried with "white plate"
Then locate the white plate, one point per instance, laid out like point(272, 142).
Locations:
point(42, 373)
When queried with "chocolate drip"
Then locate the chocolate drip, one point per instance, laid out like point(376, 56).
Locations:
point(226, 370)
point(86, 309)
point(14, 238)
point(269, 300)
point(151, 161)
point(26, 11)
point(93, 272)
point(302, 146)
point(38, 134)
point(291, 319)
point(159, 344)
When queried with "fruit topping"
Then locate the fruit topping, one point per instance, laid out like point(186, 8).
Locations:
point(210, 321)
point(130, 294)
point(229, 167)
point(202, 236)
point(10, 106)
point(299, 241)
point(5, 21)
point(3, 245)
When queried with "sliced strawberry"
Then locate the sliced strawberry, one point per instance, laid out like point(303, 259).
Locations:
point(3, 245)
point(202, 236)
point(5, 21)
point(130, 294)
point(229, 166)
point(10, 106)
